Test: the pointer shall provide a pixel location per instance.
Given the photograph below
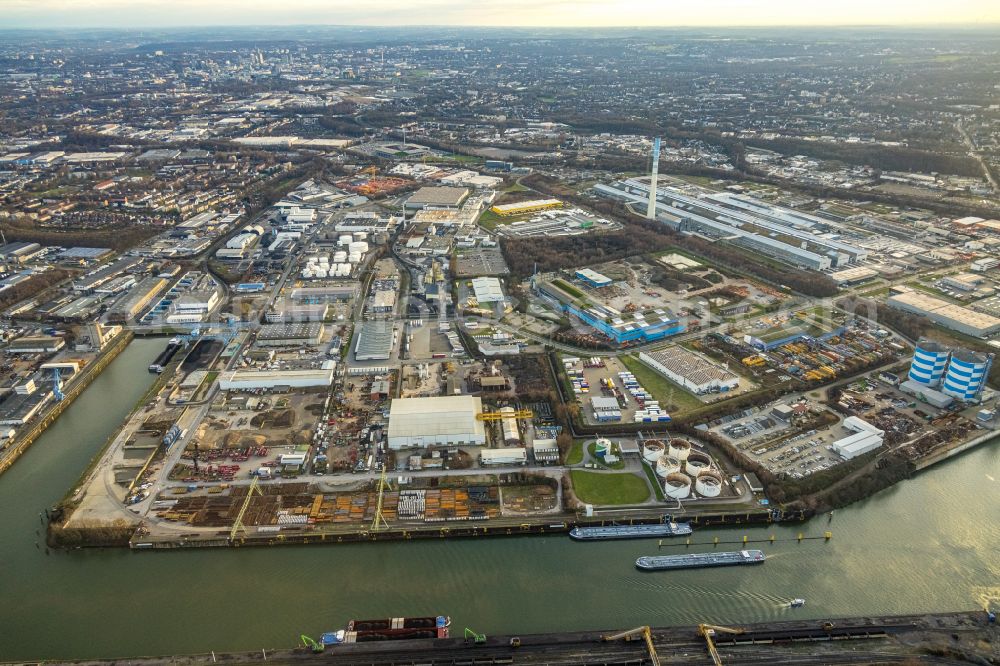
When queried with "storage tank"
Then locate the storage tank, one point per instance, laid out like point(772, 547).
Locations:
point(679, 448)
point(321, 273)
point(677, 486)
point(966, 374)
point(697, 463)
point(359, 246)
point(354, 257)
point(708, 484)
point(603, 448)
point(360, 235)
point(652, 449)
point(339, 257)
point(665, 465)
point(929, 361)
point(345, 239)
point(345, 268)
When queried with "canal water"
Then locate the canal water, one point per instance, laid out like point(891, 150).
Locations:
point(928, 544)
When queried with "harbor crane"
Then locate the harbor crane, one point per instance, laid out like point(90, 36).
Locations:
point(708, 631)
point(520, 414)
point(639, 632)
point(311, 644)
point(238, 523)
point(477, 639)
point(379, 520)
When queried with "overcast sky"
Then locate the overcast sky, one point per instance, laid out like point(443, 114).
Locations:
point(165, 13)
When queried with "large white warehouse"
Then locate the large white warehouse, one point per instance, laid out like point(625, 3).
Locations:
point(449, 420)
point(243, 380)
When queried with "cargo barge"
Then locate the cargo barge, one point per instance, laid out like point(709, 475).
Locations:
point(660, 530)
point(163, 360)
point(699, 560)
point(389, 629)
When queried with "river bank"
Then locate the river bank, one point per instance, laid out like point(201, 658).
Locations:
point(923, 546)
point(73, 390)
point(966, 636)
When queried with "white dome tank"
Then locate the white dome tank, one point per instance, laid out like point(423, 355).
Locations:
point(708, 484)
point(652, 449)
point(345, 239)
point(357, 246)
point(697, 463)
point(679, 448)
point(677, 486)
point(360, 235)
point(665, 465)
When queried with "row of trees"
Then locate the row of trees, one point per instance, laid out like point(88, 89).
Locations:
point(36, 284)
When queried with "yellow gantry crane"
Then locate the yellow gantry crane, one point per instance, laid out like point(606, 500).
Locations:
point(379, 521)
point(645, 633)
point(238, 523)
point(708, 631)
point(500, 416)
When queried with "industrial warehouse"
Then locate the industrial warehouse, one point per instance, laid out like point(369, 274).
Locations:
point(690, 370)
point(422, 422)
point(952, 316)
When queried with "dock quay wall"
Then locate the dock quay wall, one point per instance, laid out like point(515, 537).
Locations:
point(541, 525)
point(88, 374)
point(967, 637)
point(937, 457)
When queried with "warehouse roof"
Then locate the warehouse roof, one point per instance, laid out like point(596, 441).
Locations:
point(438, 196)
point(414, 417)
point(488, 289)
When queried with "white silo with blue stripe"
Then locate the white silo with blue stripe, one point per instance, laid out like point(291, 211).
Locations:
point(930, 360)
point(966, 375)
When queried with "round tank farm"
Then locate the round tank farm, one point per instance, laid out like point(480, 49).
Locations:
point(708, 484)
point(652, 449)
point(667, 465)
point(677, 486)
point(679, 448)
point(696, 463)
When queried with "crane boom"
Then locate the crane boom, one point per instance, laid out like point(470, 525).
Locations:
point(707, 631)
point(238, 523)
point(647, 635)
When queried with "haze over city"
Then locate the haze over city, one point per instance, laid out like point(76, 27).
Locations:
point(548, 331)
point(541, 13)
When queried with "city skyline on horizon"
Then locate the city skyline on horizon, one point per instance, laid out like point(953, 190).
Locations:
point(486, 13)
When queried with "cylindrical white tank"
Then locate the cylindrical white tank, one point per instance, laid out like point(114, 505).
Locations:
point(603, 447)
point(345, 239)
point(677, 486)
point(321, 273)
point(652, 449)
point(360, 235)
point(697, 463)
point(358, 246)
point(339, 257)
point(666, 465)
point(345, 268)
point(354, 257)
point(708, 484)
point(679, 448)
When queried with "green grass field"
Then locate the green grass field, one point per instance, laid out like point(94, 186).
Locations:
point(608, 489)
point(569, 289)
point(575, 454)
point(654, 480)
point(592, 452)
point(671, 396)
